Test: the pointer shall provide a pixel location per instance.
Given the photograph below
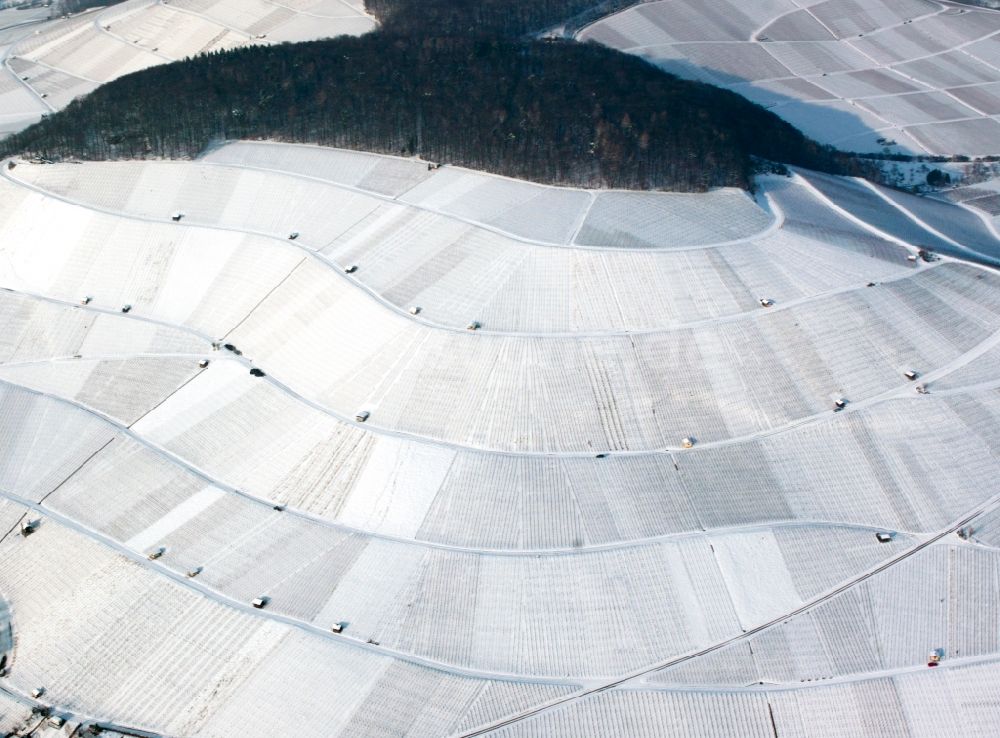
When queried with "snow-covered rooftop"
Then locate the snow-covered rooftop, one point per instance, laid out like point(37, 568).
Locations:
point(515, 540)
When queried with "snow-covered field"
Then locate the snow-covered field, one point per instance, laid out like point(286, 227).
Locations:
point(47, 64)
point(981, 198)
point(515, 539)
point(924, 74)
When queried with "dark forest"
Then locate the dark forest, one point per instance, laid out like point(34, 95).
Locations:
point(452, 81)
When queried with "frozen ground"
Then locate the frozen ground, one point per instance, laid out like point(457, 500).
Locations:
point(516, 539)
point(924, 75)
point(48, 63)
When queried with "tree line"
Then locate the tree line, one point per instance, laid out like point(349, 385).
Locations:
point(551, 111)
point(489, 17)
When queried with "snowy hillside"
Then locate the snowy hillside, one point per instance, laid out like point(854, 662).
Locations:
point(48, 64)
point(913, 76)
point(492, 458)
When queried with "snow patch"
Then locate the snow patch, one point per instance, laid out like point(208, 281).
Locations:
point(183, 513)
point(757, 577)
